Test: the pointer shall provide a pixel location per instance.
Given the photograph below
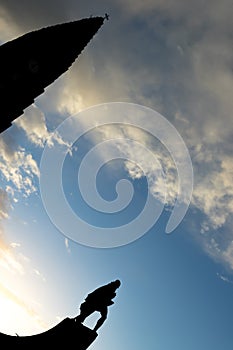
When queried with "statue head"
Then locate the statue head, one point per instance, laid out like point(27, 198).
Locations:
point(117, 283)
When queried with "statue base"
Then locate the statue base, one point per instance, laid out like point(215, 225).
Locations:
point(73, 333)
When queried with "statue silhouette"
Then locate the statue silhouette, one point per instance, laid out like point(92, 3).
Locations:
point(70, 328)
point(98, 300)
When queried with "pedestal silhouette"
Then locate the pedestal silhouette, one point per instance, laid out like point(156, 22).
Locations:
point(67, 331)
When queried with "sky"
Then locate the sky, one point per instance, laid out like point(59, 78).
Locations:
point(161, 71)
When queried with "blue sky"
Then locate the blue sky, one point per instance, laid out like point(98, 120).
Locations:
point(174, 57)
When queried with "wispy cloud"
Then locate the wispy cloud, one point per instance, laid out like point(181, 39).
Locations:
point(10, 261)
point(67, 245)
point(39, 274)
point(17, 166)
point(15, 265)
point(18, 267)
point(14, 261)
point(224, 278)
point(138, 162)
point(4, 204)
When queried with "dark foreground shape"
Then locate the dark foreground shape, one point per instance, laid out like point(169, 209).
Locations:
point(99, 300)
point(30, 63)
point(67, 331)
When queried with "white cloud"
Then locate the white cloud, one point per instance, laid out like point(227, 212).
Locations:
point(18, 167)
point(70, 101)
point(144, 156)
point(67, 245)
point(10, 261)
point(224, 278)
point(33, 122)
point(198, 85)
point(213, 191)
point(228, 255)
point(39, 274)
point(15, 244)
point(4, 204)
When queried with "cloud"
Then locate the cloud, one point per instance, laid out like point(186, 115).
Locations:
point(16, 267)
point(199, 96)
point(8, 29)
point(224, 278)
point(31, 15)
point(8, 259)
point(160, 173)
point(190, 15)
point(18, 167)
point(39, 274)
point(173, 56)
point(33, 122)
point(228, 255)
point(187, 75)
point(4, 204)
point(67, 245)
point(15, 244)
point(213, 193)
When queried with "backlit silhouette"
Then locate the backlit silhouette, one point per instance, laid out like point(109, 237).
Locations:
point(28, 64)
point(98, 300)
point(70, 331)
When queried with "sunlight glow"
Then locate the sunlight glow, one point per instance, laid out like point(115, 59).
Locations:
point(15, 319)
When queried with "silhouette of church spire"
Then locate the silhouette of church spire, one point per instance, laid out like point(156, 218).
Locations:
point(30, 63)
